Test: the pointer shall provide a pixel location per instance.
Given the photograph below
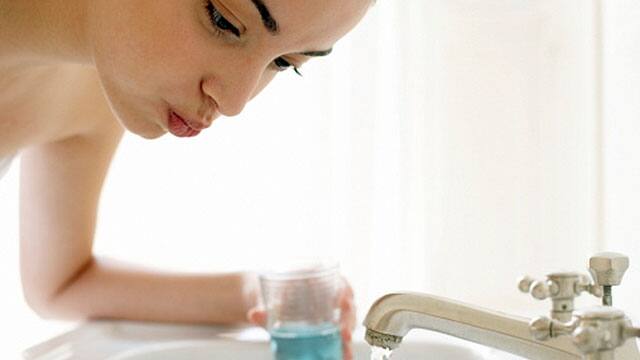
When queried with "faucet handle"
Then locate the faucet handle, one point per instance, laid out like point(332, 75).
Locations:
point(596, 330)
point(539, 289)
point(607, 269)
point(586, 285)
point(630, 332)
point(543, 328)
point(562, 288)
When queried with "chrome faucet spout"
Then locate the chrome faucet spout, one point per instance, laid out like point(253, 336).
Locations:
point(394, 315)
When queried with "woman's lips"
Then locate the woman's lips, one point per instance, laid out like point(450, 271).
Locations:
point(179, 127)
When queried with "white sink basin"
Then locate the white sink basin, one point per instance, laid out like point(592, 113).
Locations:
point(109, 340)
point(207, 350)
point(197, 350)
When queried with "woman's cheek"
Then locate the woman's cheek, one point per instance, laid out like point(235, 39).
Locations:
point(266, 79)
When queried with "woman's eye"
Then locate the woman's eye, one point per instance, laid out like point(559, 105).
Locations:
point(218, 21)
point(282, 65)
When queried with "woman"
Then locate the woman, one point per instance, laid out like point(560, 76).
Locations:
point(74, 74)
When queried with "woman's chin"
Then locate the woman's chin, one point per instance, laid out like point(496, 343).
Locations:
point(145, 130)
point(151, 136)
point(149, 133)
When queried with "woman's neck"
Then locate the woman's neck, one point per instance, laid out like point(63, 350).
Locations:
point(44, 32)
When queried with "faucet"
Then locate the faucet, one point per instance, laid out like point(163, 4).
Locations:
point(392, 316)
point(593, 334)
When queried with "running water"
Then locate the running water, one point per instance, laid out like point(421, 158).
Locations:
point(378, 353)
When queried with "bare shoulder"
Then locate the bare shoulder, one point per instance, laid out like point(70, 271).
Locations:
point(45, 104)
point(50, 104)
point(82, 154)
point(95, 129)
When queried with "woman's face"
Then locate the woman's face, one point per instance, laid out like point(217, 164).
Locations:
point(198, 59)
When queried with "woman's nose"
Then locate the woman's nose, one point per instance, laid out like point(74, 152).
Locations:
point(232, 90)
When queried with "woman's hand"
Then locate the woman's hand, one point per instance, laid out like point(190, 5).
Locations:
point(347, 318)
point(258, 316)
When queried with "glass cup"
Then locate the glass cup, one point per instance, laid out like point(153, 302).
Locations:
point(303, 313)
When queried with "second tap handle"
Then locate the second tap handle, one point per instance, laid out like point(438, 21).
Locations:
point(543, 328)
point(585, 284)
point(539, 289)
point(524, 283)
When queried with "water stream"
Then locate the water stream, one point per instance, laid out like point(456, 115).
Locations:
point(378, 353)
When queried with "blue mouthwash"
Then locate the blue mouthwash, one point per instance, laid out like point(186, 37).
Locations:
point(317, 342)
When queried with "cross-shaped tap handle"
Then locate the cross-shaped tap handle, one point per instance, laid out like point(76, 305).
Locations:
point(562, 288)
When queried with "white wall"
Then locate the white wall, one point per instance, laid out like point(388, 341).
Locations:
point(621, 145)
point(511, 190)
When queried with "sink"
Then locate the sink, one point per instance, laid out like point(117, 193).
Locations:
point(207, 350)
point(122, 340)
point(197, 350)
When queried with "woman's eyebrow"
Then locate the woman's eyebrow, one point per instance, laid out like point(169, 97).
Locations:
point(272, 26)
point(316, 53)
point(269, 22)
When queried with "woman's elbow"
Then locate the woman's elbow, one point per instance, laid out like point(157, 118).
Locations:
point(38, 301)
point(47, 302)
point(48, 293)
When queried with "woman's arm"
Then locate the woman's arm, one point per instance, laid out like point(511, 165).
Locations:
point(59, 192)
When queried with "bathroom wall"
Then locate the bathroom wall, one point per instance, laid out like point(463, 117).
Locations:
point(621, 140)
point(512, 186)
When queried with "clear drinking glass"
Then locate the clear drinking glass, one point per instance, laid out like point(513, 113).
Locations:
point(303, 313)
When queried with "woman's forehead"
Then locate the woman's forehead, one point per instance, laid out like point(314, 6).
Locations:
point(337, 10)
point(328, 19)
